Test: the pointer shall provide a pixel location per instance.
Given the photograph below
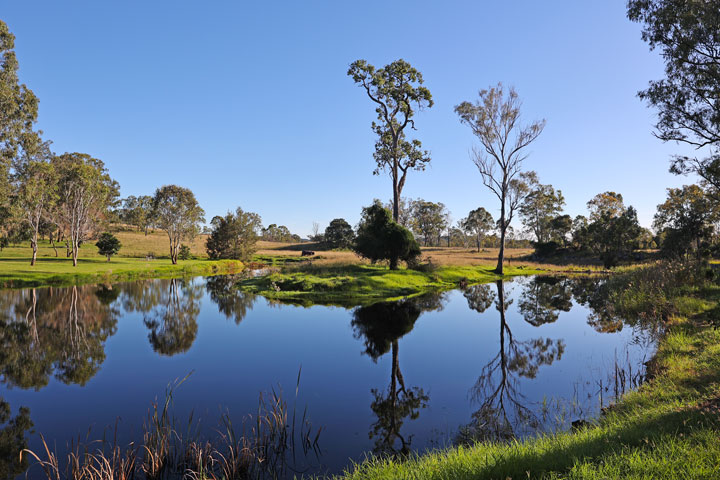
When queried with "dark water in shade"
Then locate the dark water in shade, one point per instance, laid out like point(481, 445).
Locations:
point(387, 378)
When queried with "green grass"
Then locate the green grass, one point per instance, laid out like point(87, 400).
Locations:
point(353, 284)
point(16, 272)
point(668, 429)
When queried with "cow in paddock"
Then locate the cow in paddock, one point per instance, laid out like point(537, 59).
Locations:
point(307, 253)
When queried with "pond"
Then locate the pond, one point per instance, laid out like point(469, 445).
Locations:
point(492, 361)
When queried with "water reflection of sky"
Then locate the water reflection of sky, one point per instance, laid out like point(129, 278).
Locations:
point(237, 347)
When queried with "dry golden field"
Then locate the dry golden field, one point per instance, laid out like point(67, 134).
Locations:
point(136, 244)
point(456, 256)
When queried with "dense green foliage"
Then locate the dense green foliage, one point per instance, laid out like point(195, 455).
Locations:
point(380, 238)
point(108, 245)
point(339, 234)
point(686, 222)
point(234, 236)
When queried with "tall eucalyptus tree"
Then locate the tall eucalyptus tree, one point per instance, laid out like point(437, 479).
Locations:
point(397, 91)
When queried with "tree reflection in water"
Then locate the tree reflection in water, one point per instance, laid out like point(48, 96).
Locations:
point(12, 440)
point(171, 315)
point(381, 326)
point(53, 331)
point(543, 298)
point(595, 294)
point(502, 412)
point(231, 302)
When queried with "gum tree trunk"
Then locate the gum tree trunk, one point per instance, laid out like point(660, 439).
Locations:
point(503, 228)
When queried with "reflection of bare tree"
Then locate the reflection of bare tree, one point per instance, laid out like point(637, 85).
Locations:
point(60, 331)
point(231, 302)
point(502, 406)
point(543, 298)
point(382, 325)
point(173, 321)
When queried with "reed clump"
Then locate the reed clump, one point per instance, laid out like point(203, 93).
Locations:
point(267, 444)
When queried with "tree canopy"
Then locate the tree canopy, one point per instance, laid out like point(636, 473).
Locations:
point(179, 214)
point(397, 91)
point(428, 219)
point(686, 33)
point(339, 234)
point(381, 238)
point(686, 221)
point(108, 245)
point(234, 236)
point(478, 223)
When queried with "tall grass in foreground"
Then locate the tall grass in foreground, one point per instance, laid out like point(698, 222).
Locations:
point(267, 444)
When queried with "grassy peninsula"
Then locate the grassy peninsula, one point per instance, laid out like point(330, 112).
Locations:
point(362, 284)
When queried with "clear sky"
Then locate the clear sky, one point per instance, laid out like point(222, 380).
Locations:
point(248, 103)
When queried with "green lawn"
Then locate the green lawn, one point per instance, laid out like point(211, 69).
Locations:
point(668, 429)
point(15, 269)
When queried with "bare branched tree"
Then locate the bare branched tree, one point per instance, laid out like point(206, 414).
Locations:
point(495, 119)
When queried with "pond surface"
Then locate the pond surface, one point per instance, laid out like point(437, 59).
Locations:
point(492, 361)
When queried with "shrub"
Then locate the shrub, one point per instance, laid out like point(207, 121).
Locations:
point(108, 245)
point(184, 252)
point(380, 238)
point(546, 249)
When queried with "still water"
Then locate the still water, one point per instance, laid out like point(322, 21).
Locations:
point(491, 361)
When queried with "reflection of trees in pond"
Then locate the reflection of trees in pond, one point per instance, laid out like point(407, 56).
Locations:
point(142, 295)
point(502, 407)
point(171, 314)
point(382, 325)
point(60, 331)
point(595, 295)
point(12, 440)
point(230, 301)
point(543, 298)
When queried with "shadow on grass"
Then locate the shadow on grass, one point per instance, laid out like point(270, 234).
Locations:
point(297, 247)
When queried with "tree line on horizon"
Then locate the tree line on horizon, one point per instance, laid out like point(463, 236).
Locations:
point(71, 197)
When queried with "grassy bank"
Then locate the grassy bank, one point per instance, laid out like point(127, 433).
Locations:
point(131, 264)
point(17, 273)
point(361, 284)
point(669, 428)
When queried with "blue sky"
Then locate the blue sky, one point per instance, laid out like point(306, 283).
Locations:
point(248, 103)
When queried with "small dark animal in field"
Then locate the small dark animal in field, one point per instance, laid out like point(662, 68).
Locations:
point(307, 253)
